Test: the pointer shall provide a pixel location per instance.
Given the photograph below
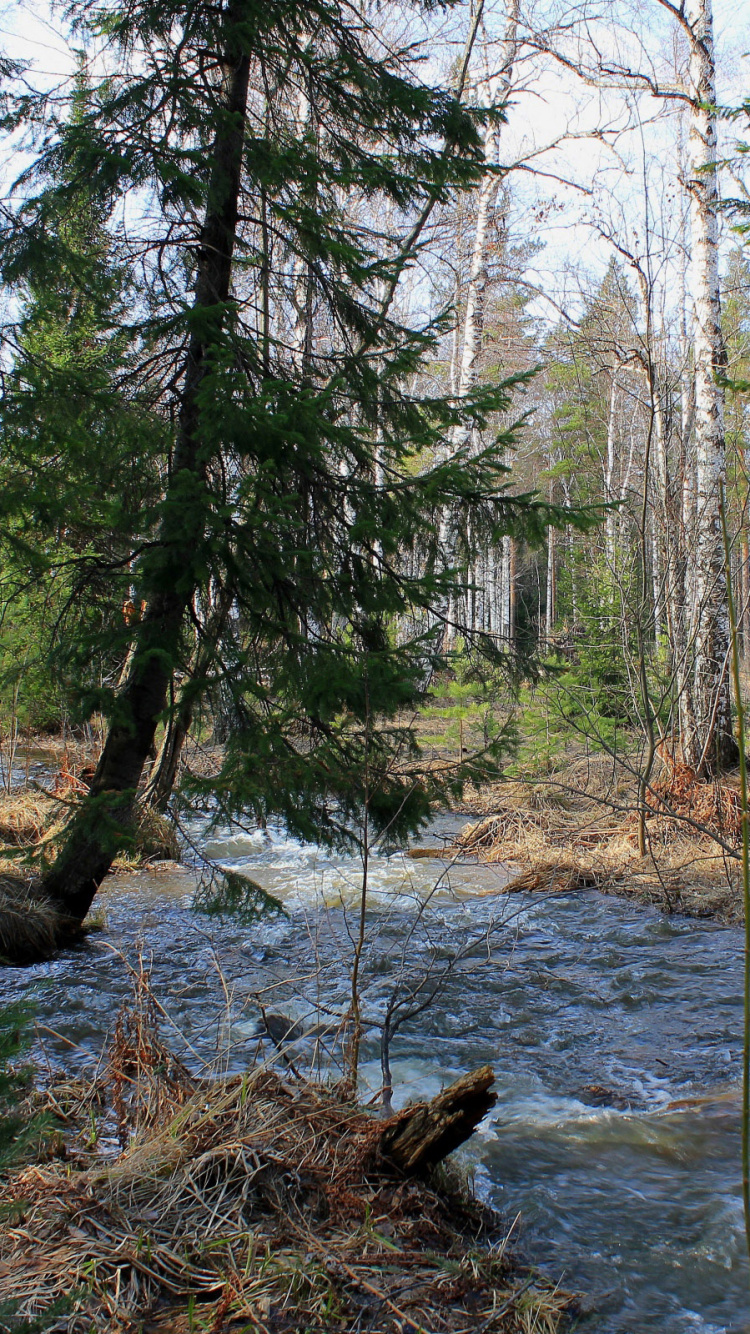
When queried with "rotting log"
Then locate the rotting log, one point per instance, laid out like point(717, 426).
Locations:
point(422, 1135)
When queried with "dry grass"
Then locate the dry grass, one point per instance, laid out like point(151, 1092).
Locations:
point(29, 924)
point(716, 806)
point(31, 928)
point(257, 1202)
point(579, 834)
point(32, 820)
point(155, 837)
point(25, 817)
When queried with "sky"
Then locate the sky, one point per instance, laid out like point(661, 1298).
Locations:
point(562, 197)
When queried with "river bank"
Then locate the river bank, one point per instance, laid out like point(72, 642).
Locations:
point(573, 829)
point(577, 830)
point(171, 1202)
point(613, 1030)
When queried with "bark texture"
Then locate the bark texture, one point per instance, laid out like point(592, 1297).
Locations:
point(164, 770)
point(96, 832)
point(467, 338)
point(424, 1134)
point(708, 744)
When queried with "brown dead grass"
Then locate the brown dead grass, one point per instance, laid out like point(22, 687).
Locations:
point(256, 1201)
point(32, 820)
point(25, 818)
point(30, 926)
point(579, 833)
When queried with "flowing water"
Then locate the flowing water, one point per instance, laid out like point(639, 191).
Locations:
point(596, 1016)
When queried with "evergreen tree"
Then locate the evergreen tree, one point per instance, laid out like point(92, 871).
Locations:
point(78, 463)
point(308, 470)
point(17, 1131)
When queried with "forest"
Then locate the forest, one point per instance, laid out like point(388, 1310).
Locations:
point(374, 657)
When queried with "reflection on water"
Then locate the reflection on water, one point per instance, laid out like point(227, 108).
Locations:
point(596, 1017)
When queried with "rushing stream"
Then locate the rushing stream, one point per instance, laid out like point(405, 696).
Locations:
point(595, 1015)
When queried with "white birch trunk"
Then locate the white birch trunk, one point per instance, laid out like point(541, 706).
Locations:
point(497, 89)
point(657, 585)
point(506, 586)
point(550, 610)
point(302, 276)
point(710, 745)
point(467, 342)
point(609, 481)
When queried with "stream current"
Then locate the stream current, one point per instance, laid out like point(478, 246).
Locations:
point(596, 1016)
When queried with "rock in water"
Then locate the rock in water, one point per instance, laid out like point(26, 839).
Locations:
point(279, 1028)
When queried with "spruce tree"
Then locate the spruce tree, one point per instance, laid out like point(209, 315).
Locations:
point(79, 455)
point(17, 1130)
point(252, 149)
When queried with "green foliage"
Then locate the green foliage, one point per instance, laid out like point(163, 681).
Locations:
point(77, 456)
point(305, 483)
point(20, 1138)
point(12, 1323)
point(470, 708)
point(228, 894)
point(18, 1131)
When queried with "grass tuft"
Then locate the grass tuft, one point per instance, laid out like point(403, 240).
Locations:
point(258, 1201)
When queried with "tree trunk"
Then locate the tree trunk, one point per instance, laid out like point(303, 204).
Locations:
point(422, 1135)
point(551, 600)
point(467, 340)
point(745, 590)
point(609, 482)
point(683, 673)
point(512, 586)
point(709, 746)
point(505, 585)
point(164, 771)
point(497, 89)
point(97, 829)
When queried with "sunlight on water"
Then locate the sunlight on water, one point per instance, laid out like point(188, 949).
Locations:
point(304, 876)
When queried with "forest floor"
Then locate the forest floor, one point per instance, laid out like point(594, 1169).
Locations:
point(165, 1203)
point(577, 829)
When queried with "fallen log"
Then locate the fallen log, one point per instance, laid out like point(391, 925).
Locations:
point(422, 1135)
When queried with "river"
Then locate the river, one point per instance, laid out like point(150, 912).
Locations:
point(596, 1016)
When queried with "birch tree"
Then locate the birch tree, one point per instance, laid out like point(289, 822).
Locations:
point(619, 57)
point(493, 88)
point(708, 745)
